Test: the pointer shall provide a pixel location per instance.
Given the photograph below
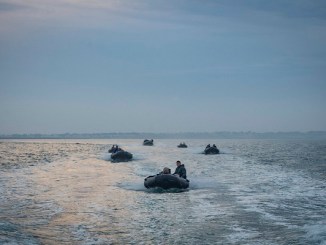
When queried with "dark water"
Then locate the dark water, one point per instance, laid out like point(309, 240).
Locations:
point(255, 192)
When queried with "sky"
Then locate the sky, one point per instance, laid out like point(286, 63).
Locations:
point(97, 66)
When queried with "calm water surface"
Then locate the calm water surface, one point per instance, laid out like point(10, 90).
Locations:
point(255, 192)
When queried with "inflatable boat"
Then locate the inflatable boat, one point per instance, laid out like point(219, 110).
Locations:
point(166, 181)
point(148, 142)
point(182, 145)
point(211, 150)
point(121, 156)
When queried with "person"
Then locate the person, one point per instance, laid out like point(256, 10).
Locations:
point(214, 146)
point(180, 170)
point(117, 148)
point(166, 171)
point(114, 148)
point(208, 146)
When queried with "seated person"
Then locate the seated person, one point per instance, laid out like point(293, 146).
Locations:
point(166, 171)
point(180, 170)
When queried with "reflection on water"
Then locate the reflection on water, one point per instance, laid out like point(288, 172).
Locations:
point(77, 196)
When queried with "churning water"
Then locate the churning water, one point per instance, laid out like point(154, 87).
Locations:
point(254, 192)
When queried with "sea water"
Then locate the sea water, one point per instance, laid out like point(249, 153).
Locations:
point(254, 192)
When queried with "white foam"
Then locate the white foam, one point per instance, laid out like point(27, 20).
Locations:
point(239, 234)
point(106, 157)
point(203, 183)
point(316, 232)
point(134, 186)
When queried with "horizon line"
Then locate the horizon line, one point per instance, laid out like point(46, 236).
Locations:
point(180, 135)
point(189, 132)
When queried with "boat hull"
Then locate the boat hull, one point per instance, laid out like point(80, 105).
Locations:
point(166, 181)
point(211, 151)
point(148, 142)
point(121, 156)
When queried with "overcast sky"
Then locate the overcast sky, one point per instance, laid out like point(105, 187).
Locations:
point(162, 66)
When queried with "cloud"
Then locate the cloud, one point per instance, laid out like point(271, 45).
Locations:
point(8, 7)
point(291, 9)
point(208, 15)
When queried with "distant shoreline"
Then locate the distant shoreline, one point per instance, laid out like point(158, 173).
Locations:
point(197, 135)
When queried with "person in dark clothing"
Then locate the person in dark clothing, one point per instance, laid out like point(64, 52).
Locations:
point(115, 149)
point(208, 146)
point(180, 170)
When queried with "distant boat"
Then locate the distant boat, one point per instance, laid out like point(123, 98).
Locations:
point(148, 142)
point(211, 150)
point(166, 181)
point(182, 145)
point(121, 156)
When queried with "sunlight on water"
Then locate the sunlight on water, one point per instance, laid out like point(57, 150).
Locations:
point(57, 192)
